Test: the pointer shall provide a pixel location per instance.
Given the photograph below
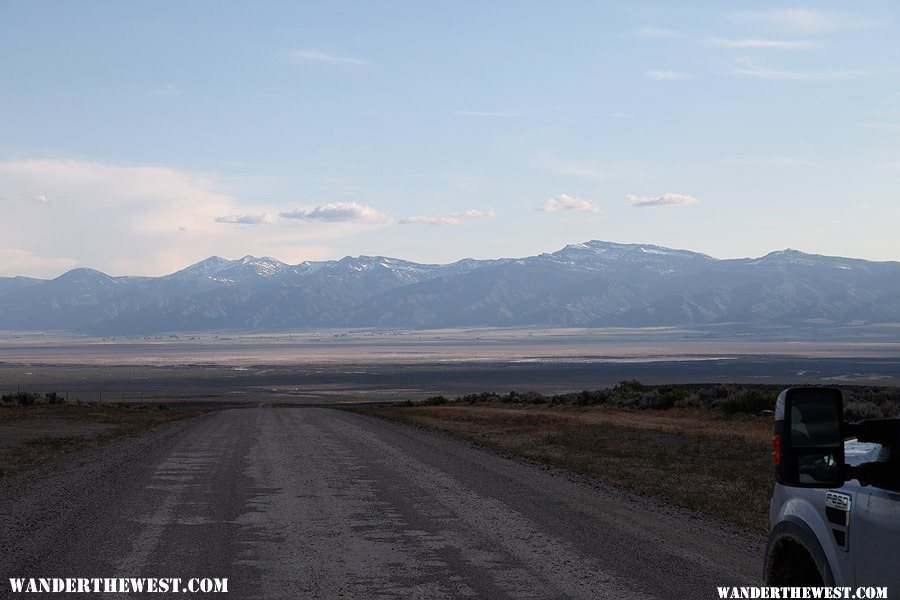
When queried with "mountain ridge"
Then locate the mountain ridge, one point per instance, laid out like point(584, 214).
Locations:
point(590, 284)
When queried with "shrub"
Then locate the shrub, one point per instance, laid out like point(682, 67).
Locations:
point(21, 398)
point(747, 401)
point(629, 386)
point(859, 402)
point(857, 411)
point(435, 401)
point(758, 401)
point(532, 398)
point(54, 398)
point(588, 397)
point(669, 396)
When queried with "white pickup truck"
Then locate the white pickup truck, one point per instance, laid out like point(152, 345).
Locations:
point(835, 511)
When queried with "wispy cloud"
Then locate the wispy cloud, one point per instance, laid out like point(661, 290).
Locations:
point(799, 20)
point(307, 56)
point(167, 89)
point(769, 161)
point(567, 203)
point(656, 33)
point(879, 125)
point(747, 67)
point(451, 219)
point(668, 75)
point(36, 198)
point(246, 219)
point(762, 43)
point(339, 212)
point(664, 200)
point(488, 114)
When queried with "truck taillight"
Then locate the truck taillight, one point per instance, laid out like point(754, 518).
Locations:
point(776, 449)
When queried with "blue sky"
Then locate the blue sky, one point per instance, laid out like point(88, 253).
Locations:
point(139, 137)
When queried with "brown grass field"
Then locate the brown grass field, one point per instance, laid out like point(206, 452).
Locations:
point(699, 459)
point(32, 434)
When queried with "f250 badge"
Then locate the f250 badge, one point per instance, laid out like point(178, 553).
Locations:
point(838, 500)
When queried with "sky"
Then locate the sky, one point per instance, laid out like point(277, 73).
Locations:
point(140, 137)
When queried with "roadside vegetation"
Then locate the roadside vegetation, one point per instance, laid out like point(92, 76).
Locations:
point(35, 427)
point(704, 447)
point(860, 402)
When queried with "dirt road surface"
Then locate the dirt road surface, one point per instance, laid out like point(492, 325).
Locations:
point(319, 503)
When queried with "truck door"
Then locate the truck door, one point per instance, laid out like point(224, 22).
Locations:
point(875, 538)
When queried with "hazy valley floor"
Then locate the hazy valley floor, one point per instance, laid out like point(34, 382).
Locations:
point(364, 378)
point(314, 503)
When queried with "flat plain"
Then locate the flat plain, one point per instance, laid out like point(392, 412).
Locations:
point(348, 366)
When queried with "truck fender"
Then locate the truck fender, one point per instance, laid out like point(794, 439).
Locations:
point(795, 529)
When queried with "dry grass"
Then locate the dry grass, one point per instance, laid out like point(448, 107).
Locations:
point(32, 434)
point(696, 458)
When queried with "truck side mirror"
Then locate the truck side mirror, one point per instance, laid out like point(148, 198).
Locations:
point(809, 438)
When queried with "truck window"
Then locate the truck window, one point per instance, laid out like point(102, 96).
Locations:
point(815, 426)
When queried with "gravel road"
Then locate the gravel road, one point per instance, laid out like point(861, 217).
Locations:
point(318, 503)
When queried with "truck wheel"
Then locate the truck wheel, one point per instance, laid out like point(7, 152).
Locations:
point(790, 564)
point(794, 556)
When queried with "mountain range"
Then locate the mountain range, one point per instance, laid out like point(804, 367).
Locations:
point(594, 284)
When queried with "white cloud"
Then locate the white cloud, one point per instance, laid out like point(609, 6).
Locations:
point(746, 67)
point(799, 20)
point(134, 220)
point(317, 56)
point(339, 212)
point(451, 219)
point(246, 219)
point(763, 43)
point(666, 75)
point(565, 202)
point(476, 214)
point(664, 200)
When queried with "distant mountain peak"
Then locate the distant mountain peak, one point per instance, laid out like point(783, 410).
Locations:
point(212, 260)
point(791, 256)
point(205, 268)
point(251, 260)
point(83, 274)
point(615, 250)
point(787, 252)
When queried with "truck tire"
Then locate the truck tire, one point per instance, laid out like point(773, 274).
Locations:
point(794, 557)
